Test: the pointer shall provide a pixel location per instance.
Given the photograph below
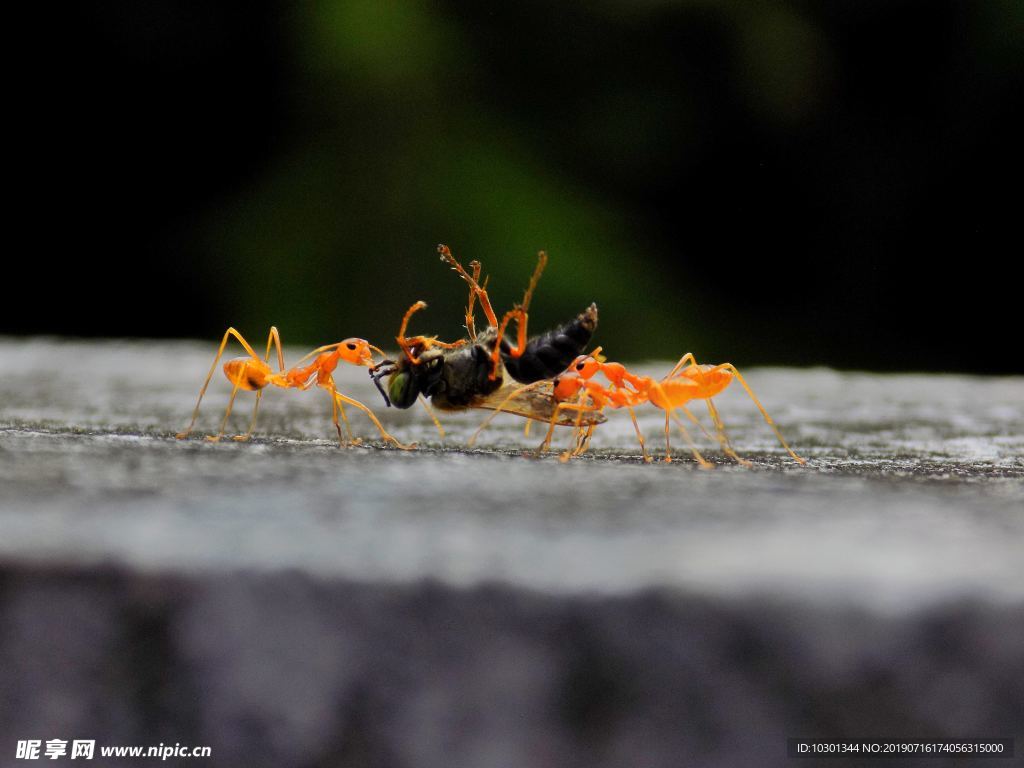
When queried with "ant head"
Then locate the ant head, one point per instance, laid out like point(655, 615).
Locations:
point(356, 351)
point(585, 366)
point(566, 385)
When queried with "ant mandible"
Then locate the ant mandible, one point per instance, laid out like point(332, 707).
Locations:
point(254, 374)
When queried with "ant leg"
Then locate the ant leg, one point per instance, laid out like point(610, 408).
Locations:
point(336, 407)
point(668, 441)
point(430, 412)
point(732, 369)
point(471, 301)
point(220, 351)
point(405, 345)
point(516, 351)
point(703, 463)
point(546, 442)
point(425, 342)
point(334, 415)
point(519, 313)
point(722, 437)
point(686, 434)
point(583, 440)
point(474, 286)
point(344, 418)
point(224, 423)
point(580, 408)
point(687, 358)
point(252, 424)
point(583, 435)
point(274, 339)
point(695, 420)
point(639, 435)
point(542, 261)
point(380, 427)
point(578, 432)
point(583, 444)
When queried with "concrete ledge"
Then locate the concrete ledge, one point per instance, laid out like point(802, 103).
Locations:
point(287, 602)
point(283, 669)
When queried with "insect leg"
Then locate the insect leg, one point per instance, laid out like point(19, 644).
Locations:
point(704, 463)
point(430, 412)
point(670, 412)
point(732, 369)
point(474, 286)
point(578, 432)
point(584, 435)
point(516, 351)
point(336, 406)
point(274, 339)
point(519, 313)
point(220, 351)
point(687, 358)
point(695, 420)
point(542, 261)
point(565, 406)
point(402, 341)
point(639, 434)
point(380, 427)
point(224, 423)
point(471, 301)
point(583, 442)
point(722, 437)
point(546, 442)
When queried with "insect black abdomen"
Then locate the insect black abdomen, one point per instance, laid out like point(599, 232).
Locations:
point(549, 354)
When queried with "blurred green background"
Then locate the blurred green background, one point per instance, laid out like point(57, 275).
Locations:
point(760, 182)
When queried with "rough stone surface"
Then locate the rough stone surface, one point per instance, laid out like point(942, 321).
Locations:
point(292, 603)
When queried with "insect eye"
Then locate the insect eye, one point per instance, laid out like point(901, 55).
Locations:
point(402, 389)
point(579, 366)
point(350, 345)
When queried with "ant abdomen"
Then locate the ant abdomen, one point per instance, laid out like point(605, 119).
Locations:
point(247, 373)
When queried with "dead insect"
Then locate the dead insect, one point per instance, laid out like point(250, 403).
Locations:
point(470, 373)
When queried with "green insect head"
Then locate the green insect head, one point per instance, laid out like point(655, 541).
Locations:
point(403, 387)
point(406, 381)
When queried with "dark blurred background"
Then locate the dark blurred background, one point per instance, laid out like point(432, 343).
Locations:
point(760, 182)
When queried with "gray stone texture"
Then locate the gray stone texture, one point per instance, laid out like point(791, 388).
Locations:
point(289, 602)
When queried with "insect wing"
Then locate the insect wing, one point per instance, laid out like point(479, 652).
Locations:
point(534, 404)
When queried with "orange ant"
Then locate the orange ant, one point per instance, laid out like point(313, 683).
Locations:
point(575, 390)
point(254, 374)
